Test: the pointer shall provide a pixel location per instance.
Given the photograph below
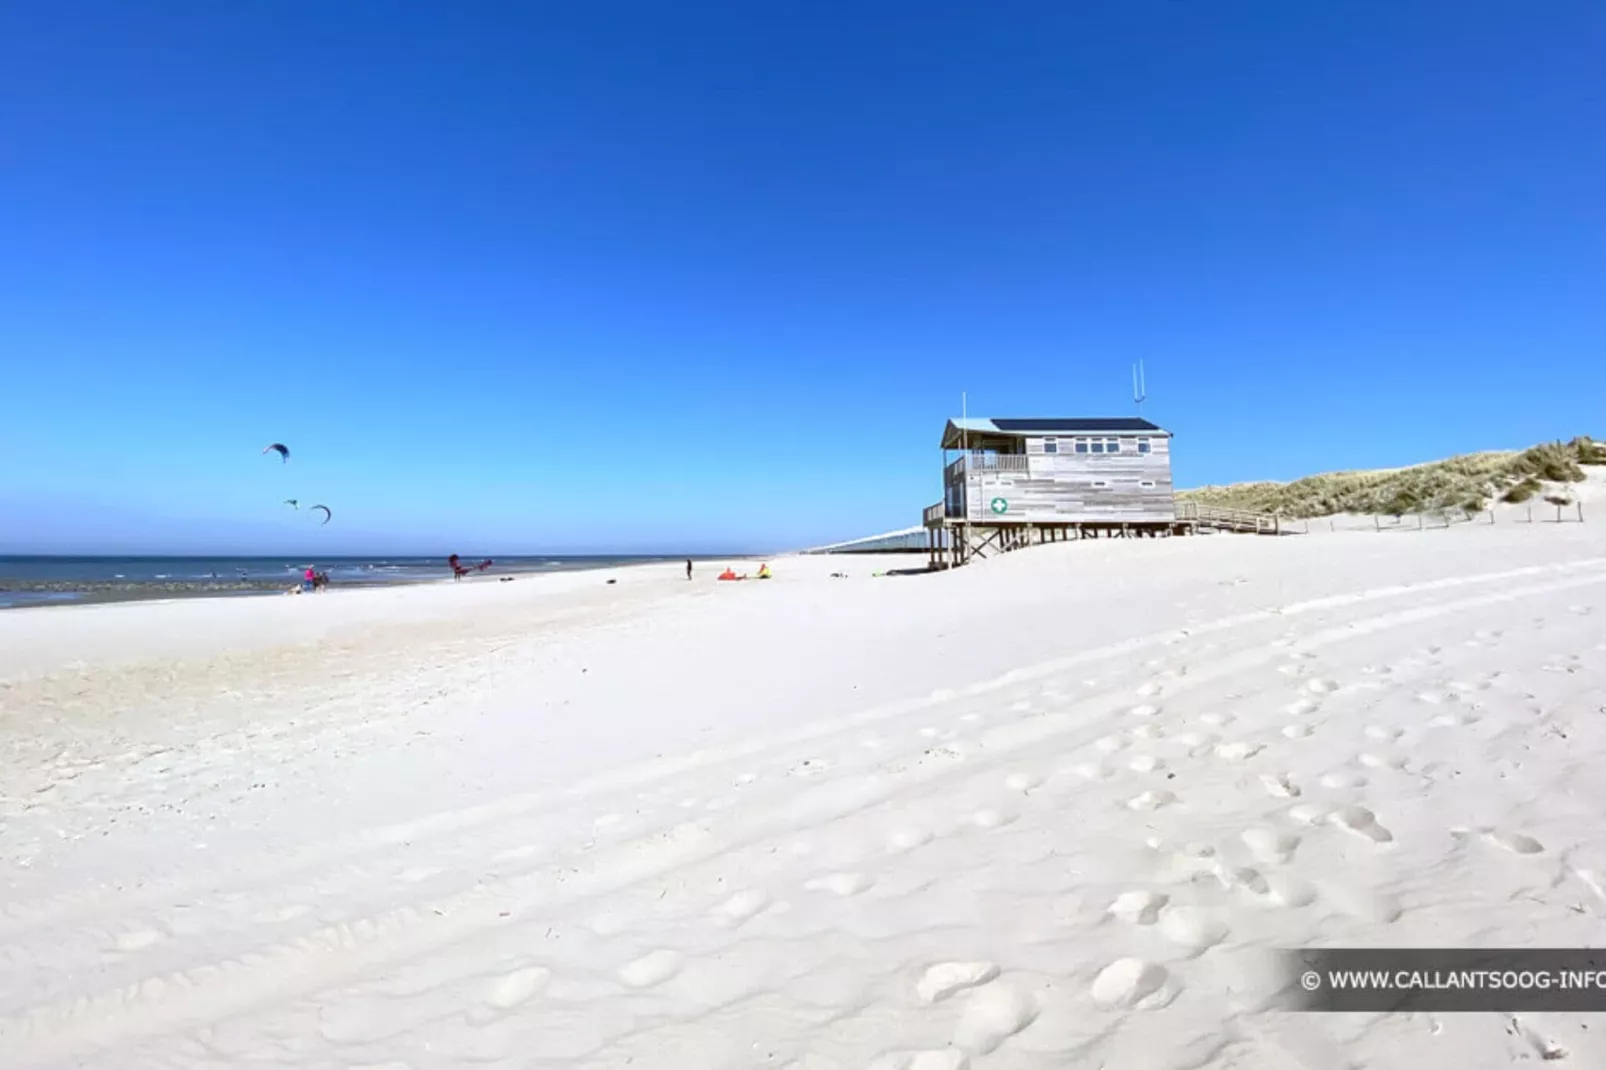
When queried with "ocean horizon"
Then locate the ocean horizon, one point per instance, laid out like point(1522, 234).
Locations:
point(66, 579)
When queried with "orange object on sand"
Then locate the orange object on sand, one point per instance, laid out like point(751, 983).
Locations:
point(729, 575)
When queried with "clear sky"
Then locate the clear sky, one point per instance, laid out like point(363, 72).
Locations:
point(691, 276)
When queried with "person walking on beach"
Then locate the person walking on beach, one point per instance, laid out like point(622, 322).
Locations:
point(308, 578)
point(688, 568)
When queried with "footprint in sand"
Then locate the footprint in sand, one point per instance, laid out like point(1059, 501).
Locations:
point(514, 988)
point(1268, 844)
point(992, 819)
point(843, 884)
point(1131, 983)
point(1216, 720)
point(1140, 907)
point(1279, 785)
point(1301, 707)
point(908, 839)
point(1361, 822)
point(1150, 690)
point(991, 1016)
point(1308, 814)
point(1109, 744)
point(1151, 800)
point(942, 980)
point(1145, 763)
point(1297, 731)
point(1341, 779)
point(1321, 686)
point(1382, 761)
point(745, 904)
point(1384, 733)
point(1515, 842)
point(1238, 751)
point(1193, 928)
point(653, 968)
point(1286, 891)
point(1453, 720)
point(1198, 744)
point(1022, 782)
point(1144, 710)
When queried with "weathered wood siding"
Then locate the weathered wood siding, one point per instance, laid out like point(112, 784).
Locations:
point(1070, 486)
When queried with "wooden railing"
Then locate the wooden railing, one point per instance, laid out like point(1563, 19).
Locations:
point(978, 461)
point(933, 514)
point(1223, 519)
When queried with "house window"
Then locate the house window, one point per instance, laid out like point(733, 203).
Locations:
point(1112, 445)
point(1098, 445)
point(1081, 445)
point(1146, 484)
point(1143, 445)
point(1051, 445)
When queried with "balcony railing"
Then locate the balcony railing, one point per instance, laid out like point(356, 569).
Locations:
point(977, 461)
point(933, 514)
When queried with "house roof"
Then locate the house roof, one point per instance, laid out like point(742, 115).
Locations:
point(957, 429)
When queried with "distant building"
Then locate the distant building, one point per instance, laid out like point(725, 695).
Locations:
point(1044, 479)
point(1063, 470)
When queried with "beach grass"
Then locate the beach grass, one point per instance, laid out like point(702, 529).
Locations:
point(1466, 482)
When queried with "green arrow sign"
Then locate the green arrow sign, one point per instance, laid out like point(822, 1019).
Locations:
point(1000, 505)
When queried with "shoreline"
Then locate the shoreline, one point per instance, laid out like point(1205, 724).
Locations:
point(67, 594)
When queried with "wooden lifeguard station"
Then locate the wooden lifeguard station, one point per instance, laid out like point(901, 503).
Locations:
point(1017, 482)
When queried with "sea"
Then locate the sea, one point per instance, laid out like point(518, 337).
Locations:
point(42, 581)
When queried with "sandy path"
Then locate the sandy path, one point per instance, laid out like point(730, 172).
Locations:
point(899, 823)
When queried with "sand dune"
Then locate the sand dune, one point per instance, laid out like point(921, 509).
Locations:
point(1050, 810)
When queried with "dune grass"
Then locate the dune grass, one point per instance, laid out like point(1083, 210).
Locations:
point(1467, 483)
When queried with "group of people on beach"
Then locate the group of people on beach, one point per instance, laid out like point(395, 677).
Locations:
point(764, 573)
point(311, 581)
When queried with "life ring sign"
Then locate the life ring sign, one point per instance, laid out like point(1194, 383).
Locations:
point(1000, 506)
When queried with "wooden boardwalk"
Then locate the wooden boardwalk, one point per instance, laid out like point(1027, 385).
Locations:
point(1242, 521)
point(952, 542)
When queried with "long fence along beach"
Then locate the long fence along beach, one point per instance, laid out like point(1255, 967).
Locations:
point(716, 536)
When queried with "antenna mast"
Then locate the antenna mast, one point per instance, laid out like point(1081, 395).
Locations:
point(1139, 387)
point(964, 438)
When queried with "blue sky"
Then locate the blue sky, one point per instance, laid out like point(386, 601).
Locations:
point(647, 276)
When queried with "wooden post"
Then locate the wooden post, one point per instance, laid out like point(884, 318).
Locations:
point(1580, 512)
point(1377, 522)
point(1530, 514)
point(1419, 524)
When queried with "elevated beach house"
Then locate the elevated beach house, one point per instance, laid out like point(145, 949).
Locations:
point(1010, 481)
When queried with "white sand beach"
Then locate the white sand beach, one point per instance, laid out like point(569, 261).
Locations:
point(1049, 810)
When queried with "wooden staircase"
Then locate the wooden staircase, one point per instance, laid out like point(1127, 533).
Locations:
point(1241, 521)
